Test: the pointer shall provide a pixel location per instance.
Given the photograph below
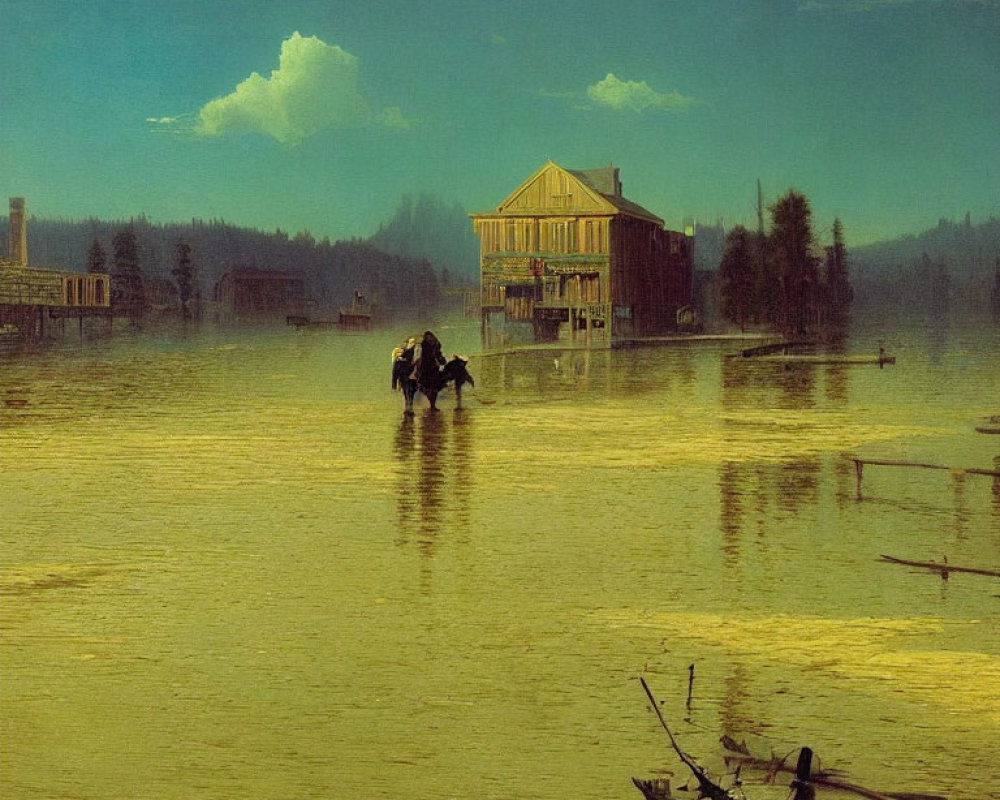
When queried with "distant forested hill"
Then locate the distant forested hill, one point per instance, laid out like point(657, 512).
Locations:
point(425, 228)
point(959, 244)
point(955, 263)
point(333, 270)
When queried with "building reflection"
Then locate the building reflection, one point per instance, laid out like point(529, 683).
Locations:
point(767, 384)
point(996, 488)
point(464, 478)
point(555, 373)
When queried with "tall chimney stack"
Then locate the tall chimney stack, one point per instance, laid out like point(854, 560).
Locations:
point(18, 233)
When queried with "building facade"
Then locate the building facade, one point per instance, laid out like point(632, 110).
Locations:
point(32, 297)
point(245, 294)
point(567, 258)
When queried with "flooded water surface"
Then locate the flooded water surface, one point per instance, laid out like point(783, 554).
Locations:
point(231, 567)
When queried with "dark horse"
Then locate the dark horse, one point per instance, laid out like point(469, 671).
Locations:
point(428, 368)
point(455, 371)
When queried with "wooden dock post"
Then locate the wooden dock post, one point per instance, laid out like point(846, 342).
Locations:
point(958, 473)
point(804, 790)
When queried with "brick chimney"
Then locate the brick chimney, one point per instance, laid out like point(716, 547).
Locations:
point(18, 233)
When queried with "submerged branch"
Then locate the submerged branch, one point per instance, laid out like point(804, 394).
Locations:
point(708, 788)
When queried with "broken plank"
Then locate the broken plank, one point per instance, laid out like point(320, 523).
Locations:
point(941, 566)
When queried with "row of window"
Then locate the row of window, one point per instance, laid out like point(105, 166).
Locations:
point(572, 289)
point(544, 236)
point(85, 291)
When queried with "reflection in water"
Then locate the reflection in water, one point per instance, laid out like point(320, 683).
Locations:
point(463, 483)
point(845, 481)
point(786, 488)
point(837, 384)
point(797, 383)
point(553, 374)
point(736, 719)
point(962, 512)
point(445, 618)
point(796, 484)
point(406, 489)
point(430, 477)
point(996, 488)
point(434, 478)
point(767, 384)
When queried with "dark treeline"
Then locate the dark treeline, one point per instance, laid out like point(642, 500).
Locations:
point(777, 279)
point(953, 268)
point(333, 270)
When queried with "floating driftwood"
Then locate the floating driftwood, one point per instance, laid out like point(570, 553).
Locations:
point(654, 788)
point(804, 782)
point(943, 567)
point(779, 353)
point(706, 786)
point(990, 424)
point(806, 358)
point(740, 754)
point(771, 349)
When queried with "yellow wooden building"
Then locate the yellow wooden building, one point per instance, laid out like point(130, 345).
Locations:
point(32, 297)
point(566, 257)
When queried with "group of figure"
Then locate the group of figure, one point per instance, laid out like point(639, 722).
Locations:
point(420, 367)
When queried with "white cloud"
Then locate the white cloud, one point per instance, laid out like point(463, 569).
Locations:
point(634, 96)
point(315, 87)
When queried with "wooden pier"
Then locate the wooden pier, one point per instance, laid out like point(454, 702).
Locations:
point(861, 463)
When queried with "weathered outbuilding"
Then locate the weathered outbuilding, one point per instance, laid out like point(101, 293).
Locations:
point(245, 294)
point(567, 257)
point(31, 298)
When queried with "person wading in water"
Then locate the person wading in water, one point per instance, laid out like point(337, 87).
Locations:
point(427, 370)
point(402, 371)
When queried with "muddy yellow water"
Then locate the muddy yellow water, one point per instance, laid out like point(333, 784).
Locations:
point(231, 568)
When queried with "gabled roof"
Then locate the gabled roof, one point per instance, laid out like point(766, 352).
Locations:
point(591, 192)
point(603, 179)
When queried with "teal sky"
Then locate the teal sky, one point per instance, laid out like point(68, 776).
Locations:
point(321, 115)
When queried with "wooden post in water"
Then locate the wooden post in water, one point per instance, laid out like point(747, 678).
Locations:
point(959, 473)
point(804, 790)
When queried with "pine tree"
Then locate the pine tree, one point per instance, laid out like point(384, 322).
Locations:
point(795, 267)
point(97, 259)
point(839, 292)
point(737, 276)
point(127, 294)
point(184, 275)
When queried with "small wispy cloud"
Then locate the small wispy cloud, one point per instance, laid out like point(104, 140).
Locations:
point(875, 5)
point(496, 38)
point(635, 96)
point(314, 88)
point(392, 117)
point(181, 125)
